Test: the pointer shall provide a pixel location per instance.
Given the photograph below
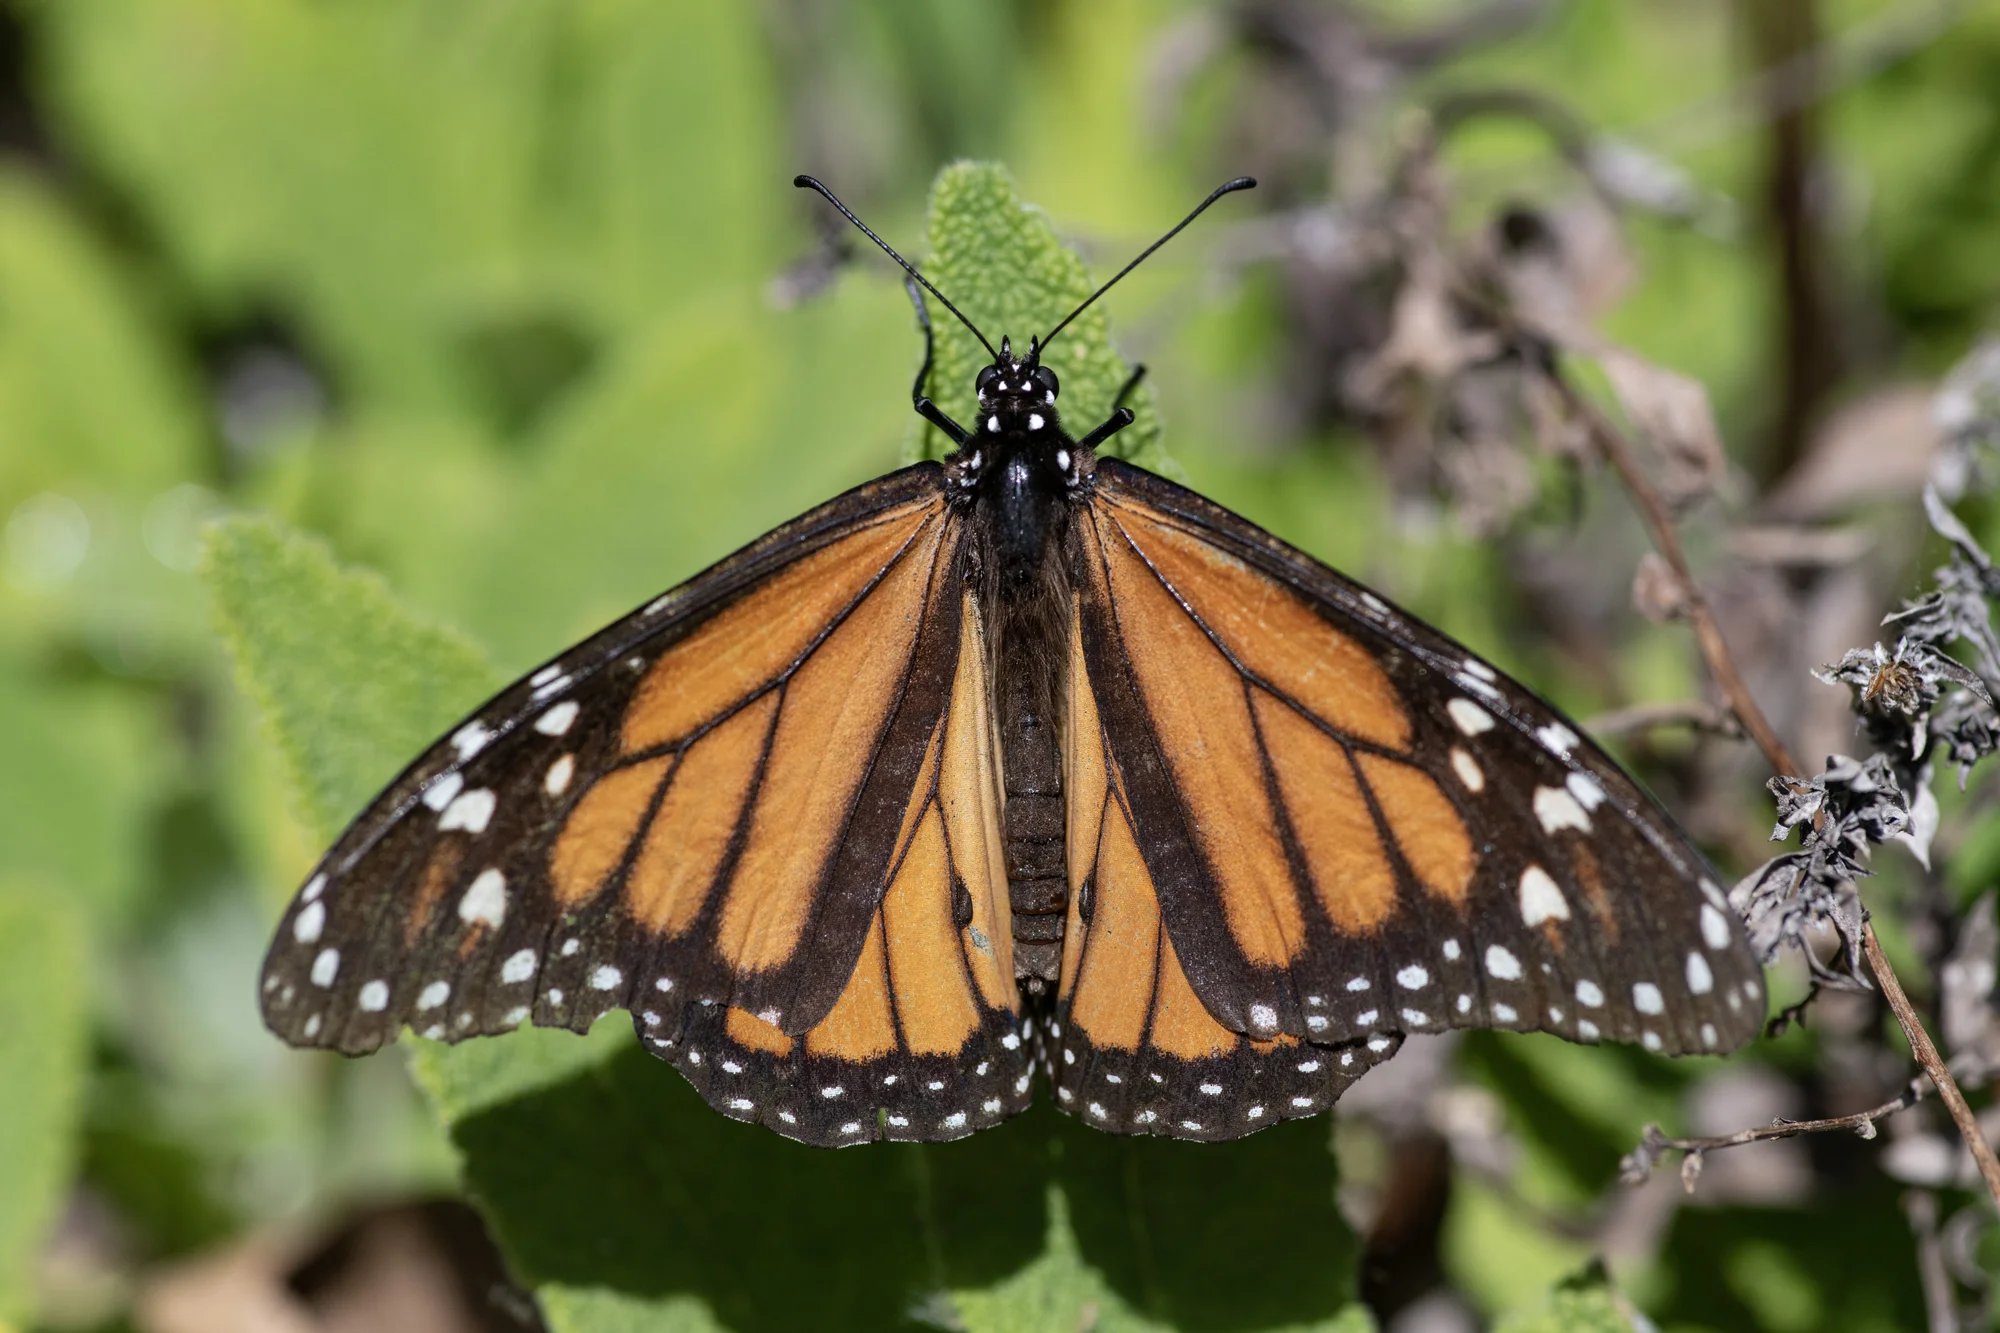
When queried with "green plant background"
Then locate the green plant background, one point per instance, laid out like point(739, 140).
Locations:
point(527, 250)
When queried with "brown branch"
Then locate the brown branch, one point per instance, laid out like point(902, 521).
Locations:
point(1715, 652)
point(1638, 1164)
point(1927, 1056)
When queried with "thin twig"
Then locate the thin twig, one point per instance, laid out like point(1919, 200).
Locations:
point(1715, 652)
point(1644, 717)
point(1927, 1056)
point(1638, 1163)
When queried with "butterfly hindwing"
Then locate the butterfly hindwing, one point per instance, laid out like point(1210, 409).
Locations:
point(1358, 830)
point(1134, 1049)
point(924, 1041)
point(692, 815)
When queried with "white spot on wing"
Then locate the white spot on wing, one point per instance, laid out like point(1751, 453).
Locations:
point(1358, 984)
point(606, 977)
point(556, 781)
point(1263, 1016)
point(471, 811)
point(1541, 900)
point(1558, 739)
point(1505, 1013)
point(326, 967)
point(314, 887)
point(1700, 980)
point(557, 720)
point(470, 739)
point(1413, 977)
point(1502, 964)
point(310, 923)
point(1584, 787)
point(1558, 810)
point(1469, 717)
point(1450, 951)
point(486, 899)
point(375, 997)
point(1467, 769)
point(1477, 686)
point(1714, 927)
point(447, 785)
point(1647, 999)
point(1589, 994)
point(518, 967)
point(433, 995)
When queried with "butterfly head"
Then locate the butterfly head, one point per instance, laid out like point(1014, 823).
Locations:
point(1018, 394)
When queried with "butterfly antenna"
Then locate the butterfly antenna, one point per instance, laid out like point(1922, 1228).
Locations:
point(1228, 187)
point(808, 183)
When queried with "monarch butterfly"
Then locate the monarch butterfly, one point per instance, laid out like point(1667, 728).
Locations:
point(1023, 759)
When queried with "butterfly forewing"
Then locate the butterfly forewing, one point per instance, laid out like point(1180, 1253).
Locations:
point(696, 815)
point(1354, 829)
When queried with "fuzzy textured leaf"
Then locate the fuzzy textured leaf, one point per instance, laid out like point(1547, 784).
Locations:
point(44, 1029)
point(1001, 262)
point(349, 682)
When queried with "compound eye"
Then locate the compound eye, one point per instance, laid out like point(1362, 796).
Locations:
point(986, 378)
point(1047, 379)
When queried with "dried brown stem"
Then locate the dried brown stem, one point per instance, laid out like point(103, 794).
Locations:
point(1927, 1056)
point(1639, 1163)
point(1715, 652)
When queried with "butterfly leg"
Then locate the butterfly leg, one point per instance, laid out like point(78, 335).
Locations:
point(1121, 415)
point(927, 409)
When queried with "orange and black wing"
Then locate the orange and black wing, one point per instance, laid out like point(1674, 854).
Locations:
point(1332, 826)
point(761, 813)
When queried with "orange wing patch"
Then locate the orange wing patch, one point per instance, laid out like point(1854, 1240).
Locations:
point(753, 642)
point(601, 827)
point(969, 790)
point(1138, 1052)
point(683, 852)
point(834, 707)
point(1201, 714)
point(1350, 871)
point(1273, 632)
point(1428, 829)
point(923, 1040)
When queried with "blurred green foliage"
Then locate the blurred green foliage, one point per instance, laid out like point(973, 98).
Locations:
point(477, 298)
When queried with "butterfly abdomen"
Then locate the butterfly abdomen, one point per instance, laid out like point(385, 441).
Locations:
point(1031, 767)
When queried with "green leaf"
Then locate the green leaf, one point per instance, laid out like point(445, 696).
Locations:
point(350, 684)
point(45, 1035)
point(1000, 261)
point(1585, 1302)
point(411, 180)
point(626, 1203)
point(84, 766)
point(90, 398)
